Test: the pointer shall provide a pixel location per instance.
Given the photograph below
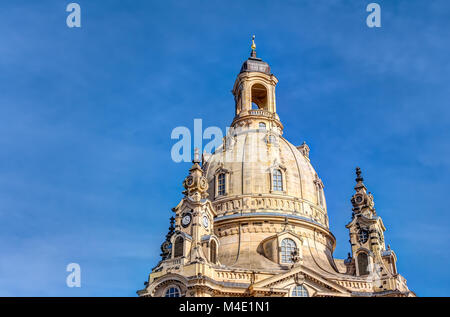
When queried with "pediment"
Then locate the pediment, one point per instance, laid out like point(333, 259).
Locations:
point(300, 275)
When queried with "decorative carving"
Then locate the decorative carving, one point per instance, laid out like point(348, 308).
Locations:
point(304, 149)
point(195, 183)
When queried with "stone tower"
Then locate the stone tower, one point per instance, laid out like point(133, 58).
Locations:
point(253, 220)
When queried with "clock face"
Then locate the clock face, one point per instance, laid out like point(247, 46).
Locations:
point(205, 221)
point(190, 180)
point(186, 220)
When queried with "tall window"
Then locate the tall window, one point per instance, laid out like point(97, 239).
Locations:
point(299, 291)
point(213, 250)
point(287, 248)
point(320, 193)
point(363, 263)
point(277, 180)
point(221, 185)
point(173, 291)
point(178, 249)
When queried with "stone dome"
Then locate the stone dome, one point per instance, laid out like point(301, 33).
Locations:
point(248, 160)
point(263, 189)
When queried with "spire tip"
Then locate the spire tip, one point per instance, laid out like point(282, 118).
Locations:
point(253, 54)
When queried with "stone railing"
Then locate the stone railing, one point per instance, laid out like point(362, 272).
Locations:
point(246, 204)
point(172, 262)
point(260, 112)
point(355, 285)
point(234, 276)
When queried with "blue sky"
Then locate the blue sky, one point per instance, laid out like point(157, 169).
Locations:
point(86, 115)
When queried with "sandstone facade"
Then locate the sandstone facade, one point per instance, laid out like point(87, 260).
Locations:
point(254, 219)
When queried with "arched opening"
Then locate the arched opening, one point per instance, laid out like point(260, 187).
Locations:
point(259, 96)
point(288, 247)
point(213, 252)
point(262, 125)
point(178, 249)
point(363, 263)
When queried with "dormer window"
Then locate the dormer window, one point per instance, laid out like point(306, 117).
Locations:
point(319, 191)
point(277, 180)
point(221, 184)
point(288, 247)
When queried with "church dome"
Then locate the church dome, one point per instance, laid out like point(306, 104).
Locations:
point(253, 220)
point(259, 171)
point(264, 189)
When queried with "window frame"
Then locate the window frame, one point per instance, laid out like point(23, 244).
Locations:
point(283, 251)
point(174, 287)
point(279, 187)
point(217, 174)
point(303, 291)
point(180, 248)
point(221, 184)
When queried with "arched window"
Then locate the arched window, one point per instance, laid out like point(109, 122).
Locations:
point(221, 184)
point(178, 249)
point(172, 291)
point(213, 250)
point(288, 246)
point(262, 125)
point(259, 96)
point(299, 291)
point(363, 263)
point(277, 180)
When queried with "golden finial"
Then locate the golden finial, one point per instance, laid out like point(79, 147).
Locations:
point(253, 43)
